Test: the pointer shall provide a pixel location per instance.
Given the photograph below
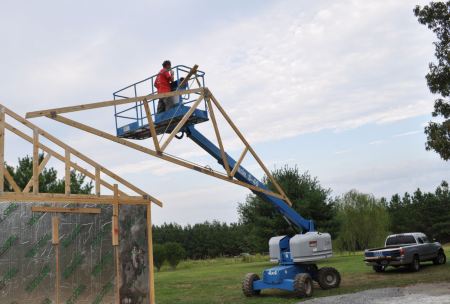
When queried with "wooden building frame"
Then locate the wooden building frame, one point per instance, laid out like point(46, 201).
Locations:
point(159, 147)
point(31, 192)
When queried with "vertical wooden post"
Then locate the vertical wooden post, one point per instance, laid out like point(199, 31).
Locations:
point(67, 175)
point(151, 271)
point(2, 149)
point(55, 242)
point(115, 242)
point(151, 126)
point(97, 181)
point(35, 161)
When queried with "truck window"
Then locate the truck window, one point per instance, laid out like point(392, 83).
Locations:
point(400, 240)
point(425, 239)
point(420, 240)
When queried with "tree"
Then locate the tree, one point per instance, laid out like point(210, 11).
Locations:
point(174, 253)
point(364, 221)
point(426, 212)
point(308, 198)
point(48, 179)
point(159, 255)
point(436, 16)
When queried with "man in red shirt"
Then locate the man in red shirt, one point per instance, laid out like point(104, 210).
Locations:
point(162, 84)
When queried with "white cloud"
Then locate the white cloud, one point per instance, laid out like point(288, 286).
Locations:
point(408, 133)
point(319, 66)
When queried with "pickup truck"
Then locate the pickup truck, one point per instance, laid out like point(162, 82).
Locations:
point(406, 249)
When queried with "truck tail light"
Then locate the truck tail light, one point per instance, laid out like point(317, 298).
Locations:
point(402, 251)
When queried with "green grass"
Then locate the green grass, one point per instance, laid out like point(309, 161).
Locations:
point(219, 280)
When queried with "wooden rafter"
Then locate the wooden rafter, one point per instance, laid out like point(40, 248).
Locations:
point(163, 156)
point(109, 103)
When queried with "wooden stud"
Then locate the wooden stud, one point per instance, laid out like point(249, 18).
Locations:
point(11, 180)
point(35, 161)
point(238, 163)
point(151, 126)
point(2, 148)
point(96, 105)
point(115, 239)
point(219, 139)
point(67, 181)
point(182, 122)
point(55, 227)
point(55, 242)
point(97, 181)
point(41, 167)
point(118, 274)
point(66, 210)
point(151, 274)
point(171, 159)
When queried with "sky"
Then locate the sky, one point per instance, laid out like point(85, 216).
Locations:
point(335, 88)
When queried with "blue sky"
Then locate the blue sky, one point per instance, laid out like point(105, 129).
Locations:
point(336, 88)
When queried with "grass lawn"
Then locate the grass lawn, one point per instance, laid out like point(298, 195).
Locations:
point(219, 281)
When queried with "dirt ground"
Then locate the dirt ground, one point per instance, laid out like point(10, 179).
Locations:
point(420, 293)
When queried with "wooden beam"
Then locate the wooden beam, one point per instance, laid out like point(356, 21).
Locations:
point(239, 134)
point(35, 161)
point(238, 163)
point(55, 242)
point(115, 240)
point(219, 139)
point(82, 157)
point(72, 198)
point(2, 148)
point(66, 210)
point(97, 181)
point(151, 281)
point(67, 181)
point(171, 159)
point(182, 122)
point(11, 180)
point(151, 126)
point(102, 104)
point(41, 167)
point(192, 72)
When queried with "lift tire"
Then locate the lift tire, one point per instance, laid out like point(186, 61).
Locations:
point(247, 285)
point(379, 268)
point(440, 259)
point(328, 277)
point(303, 285)
point(415, 265)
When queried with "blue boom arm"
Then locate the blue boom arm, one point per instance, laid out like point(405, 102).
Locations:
point(243, 175)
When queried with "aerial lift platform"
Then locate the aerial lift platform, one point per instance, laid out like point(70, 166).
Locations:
point(136, 118)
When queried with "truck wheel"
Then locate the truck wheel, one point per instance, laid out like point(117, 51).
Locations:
point(247, 285)
point(328, 278)
point(415, 265)
point(303, 285)
point(379, 268)
point(440, 259)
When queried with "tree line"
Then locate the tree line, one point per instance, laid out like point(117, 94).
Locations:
point(355, 220)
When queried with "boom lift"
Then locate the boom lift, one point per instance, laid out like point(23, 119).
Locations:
point(295, 255)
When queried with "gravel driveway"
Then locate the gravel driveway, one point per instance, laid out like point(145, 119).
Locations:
point(421, 293)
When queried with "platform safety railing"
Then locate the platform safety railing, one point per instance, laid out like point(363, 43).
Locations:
point(125, 115)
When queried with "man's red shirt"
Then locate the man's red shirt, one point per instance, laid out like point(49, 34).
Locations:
point(162, 82)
